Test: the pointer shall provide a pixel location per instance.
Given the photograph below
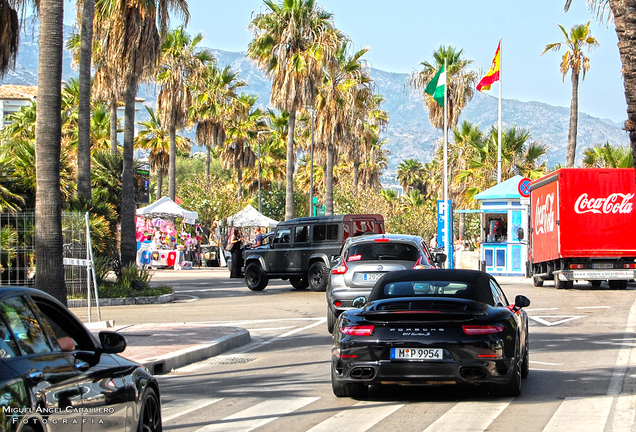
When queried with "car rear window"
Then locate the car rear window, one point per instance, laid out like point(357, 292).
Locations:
point(325, 232)
point(380, 251)
point(431, 288)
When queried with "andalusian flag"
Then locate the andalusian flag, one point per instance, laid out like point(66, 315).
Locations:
point(493, 73)
point(435, 88)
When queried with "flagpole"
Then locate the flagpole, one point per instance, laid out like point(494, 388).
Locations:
point(499, 123)
point(447, 244)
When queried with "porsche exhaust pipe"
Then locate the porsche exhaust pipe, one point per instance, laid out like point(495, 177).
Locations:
point(473, 373)
point(362, 373)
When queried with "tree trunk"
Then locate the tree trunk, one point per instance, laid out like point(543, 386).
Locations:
point(208, 160)
point(625, 22)
point(128, 238)
point(49, 275)
point(329, 180)
point(356, 175)
point(172, 169)
point(574, 117)
point(289, 186)
point(113, 127)
point(159, 184)
point(84, 110)
point(239, 180)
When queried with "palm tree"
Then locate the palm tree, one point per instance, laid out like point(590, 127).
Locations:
point(290, 39)
point(346, 87)
point(607, 156)
point(130, 46)
point(622, 14)
point(242, 129)
point(48, 134)
point(409, 174)
point(9, 34)
point(574, 61)
point(84, 110)
point(180, 70)
point(213, 107)
point(461, 84)
point(156, 138)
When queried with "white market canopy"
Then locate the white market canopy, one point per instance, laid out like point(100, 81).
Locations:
point(250, 217)
point(164, 207)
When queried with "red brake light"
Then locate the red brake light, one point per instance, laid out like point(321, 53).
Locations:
point(482, 330)
point(418, 265)
point(354, 258)
point(382, 240)
point(341, 269)
point(357, 330)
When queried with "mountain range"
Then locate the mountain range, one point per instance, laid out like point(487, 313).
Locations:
point(409, 133)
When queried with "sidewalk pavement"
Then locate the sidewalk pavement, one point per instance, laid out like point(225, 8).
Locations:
point(161, 348)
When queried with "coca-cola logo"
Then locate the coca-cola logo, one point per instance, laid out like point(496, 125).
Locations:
point(613, 203)
point(544, 215)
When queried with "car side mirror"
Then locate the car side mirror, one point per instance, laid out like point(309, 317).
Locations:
point(112, 342)
point(521, 301)
point(358, 302)
point(333, 259)
point(440, 258)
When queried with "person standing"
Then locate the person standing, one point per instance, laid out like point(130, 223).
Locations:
point(258, 238)
point(235, 250)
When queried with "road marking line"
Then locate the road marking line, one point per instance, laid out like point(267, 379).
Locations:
point(258, 415)
point(618, 376)
point(566, 318)
point(284, 335)
point(469, 417)
point(581, 414)
point(548, 364)
point(539, 309)
point(357, 418)
point(591, 307)
point(173, 410)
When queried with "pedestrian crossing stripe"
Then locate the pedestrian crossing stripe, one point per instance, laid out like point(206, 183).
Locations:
point(359, 417)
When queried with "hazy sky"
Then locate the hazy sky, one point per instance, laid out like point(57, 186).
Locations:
point(403, 33)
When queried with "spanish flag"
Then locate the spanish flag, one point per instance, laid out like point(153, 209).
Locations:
point(493, 73)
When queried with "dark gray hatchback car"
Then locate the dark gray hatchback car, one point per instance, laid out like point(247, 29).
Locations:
point(365, 259)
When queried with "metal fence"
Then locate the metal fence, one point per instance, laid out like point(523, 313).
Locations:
point(17, 251)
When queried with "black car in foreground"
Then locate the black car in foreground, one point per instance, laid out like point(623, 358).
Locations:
point(431, 327)
point(56, 376)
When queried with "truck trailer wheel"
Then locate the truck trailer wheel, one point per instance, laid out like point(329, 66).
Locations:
point(596, 283)
point(617, 284)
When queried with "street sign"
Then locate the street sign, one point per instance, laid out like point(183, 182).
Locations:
point(524, 187)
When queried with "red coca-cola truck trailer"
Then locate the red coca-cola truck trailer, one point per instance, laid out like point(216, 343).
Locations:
point(583, 227)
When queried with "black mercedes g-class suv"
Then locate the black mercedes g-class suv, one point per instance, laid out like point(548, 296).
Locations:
point(301, 249)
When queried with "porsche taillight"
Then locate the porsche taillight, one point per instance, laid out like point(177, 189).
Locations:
point(482, 329)
point(340, 269)
point(357, 330)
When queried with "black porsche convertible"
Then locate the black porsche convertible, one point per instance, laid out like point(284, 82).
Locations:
point(431, 327)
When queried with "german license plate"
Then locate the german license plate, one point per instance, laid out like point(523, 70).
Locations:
point(416, 354)
point(372, 276)
point(603, 266)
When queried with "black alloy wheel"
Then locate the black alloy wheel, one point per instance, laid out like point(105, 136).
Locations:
point(352, 390)
point(318, 277)
point(150, 412)
point(255, 278)
point(525, 364)
point(513, 387)
point(298, 282)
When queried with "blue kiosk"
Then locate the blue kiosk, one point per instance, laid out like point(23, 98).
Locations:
point(504, 221)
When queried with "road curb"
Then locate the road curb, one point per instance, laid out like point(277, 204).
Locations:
point(123, 301)
point(166, 363)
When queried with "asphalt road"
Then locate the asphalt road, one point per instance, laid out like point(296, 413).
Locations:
point(581, 365)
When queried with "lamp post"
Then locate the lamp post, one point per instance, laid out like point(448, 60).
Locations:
point(258, 139)
point(311, 165)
